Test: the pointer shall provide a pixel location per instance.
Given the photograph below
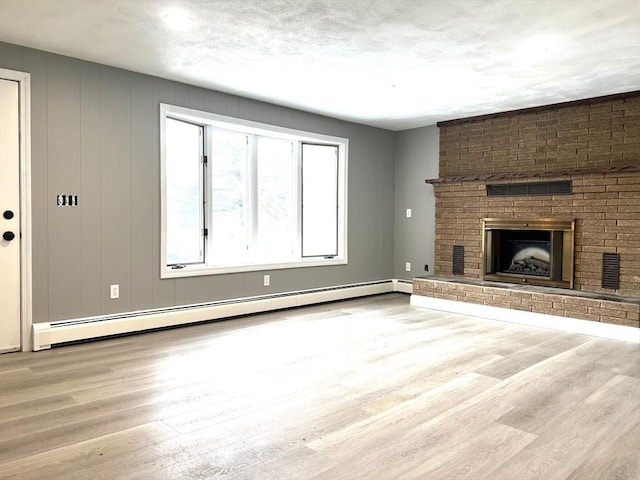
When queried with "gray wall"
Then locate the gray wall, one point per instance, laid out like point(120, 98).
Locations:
point(416, 159)
point(95, 134)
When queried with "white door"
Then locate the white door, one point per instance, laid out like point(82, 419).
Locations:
point(10, 323)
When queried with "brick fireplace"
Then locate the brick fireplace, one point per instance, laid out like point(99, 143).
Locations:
point(578, 163)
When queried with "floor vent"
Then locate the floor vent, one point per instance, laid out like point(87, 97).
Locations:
point(458, 260)
point(611, 270)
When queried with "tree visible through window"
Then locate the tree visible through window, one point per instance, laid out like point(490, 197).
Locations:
point(229, 186)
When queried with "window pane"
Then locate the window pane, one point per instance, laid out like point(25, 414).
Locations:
point(275, 199)
point(319, 200)
point(185, 241)
point(229, 189)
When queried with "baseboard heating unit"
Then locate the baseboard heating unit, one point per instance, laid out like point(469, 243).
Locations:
point(63, 331)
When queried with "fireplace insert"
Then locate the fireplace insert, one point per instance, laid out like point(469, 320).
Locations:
point(537, 251)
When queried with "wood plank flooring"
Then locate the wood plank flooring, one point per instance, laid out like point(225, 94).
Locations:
point(361, 389)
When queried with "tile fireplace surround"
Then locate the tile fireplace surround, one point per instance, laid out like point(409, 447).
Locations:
point(594, 145)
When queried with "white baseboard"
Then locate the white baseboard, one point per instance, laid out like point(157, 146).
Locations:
point(51, 333)
point(553, 322)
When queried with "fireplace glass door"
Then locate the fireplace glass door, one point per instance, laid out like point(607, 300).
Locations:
point(537, 251)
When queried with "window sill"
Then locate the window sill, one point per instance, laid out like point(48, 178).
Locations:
point(203, 270)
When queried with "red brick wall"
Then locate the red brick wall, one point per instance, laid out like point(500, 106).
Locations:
point(606, 206)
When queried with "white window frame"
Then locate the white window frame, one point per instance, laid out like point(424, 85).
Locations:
point(213, 121)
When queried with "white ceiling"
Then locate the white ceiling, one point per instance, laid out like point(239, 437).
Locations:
point(395, 64)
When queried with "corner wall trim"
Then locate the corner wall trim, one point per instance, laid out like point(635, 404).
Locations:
point(51, 333)
point(553, 322)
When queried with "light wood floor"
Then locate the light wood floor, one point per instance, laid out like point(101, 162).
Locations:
point(362, 389)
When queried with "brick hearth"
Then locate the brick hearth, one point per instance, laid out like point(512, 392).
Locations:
point(616, 309)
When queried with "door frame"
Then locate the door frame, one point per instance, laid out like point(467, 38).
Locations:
point(26, 303)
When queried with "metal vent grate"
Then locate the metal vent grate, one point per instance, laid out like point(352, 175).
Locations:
point(536, 188)
point(458, 260)
point(611, 270)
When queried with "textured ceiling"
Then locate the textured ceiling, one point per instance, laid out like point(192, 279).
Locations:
point(395, 64)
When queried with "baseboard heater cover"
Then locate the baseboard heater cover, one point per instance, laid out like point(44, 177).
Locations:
point(62, 331)
point(543, 320)
point(404, 286)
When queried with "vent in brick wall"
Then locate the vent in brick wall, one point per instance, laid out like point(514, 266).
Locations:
point(458, 260)
point(534, 188)
point(611, 270)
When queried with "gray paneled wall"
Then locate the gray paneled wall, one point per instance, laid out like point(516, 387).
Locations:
point(95, 134)
point(416, 157)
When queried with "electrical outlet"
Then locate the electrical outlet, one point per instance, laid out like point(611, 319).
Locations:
point(115, 291)
point(408, 213)
point(407, 266)
point(267, 280)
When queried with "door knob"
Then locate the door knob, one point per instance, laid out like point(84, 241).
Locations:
point(7, 214)
point(8, 236)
